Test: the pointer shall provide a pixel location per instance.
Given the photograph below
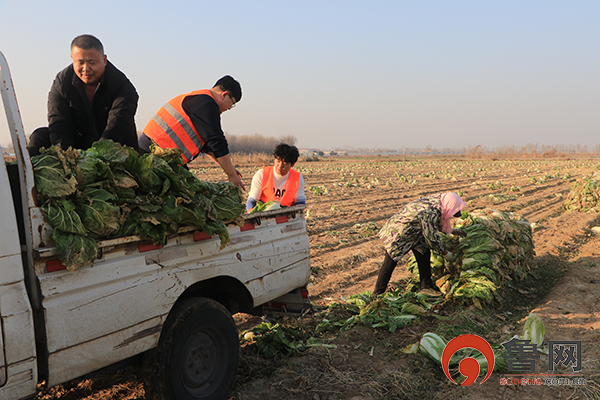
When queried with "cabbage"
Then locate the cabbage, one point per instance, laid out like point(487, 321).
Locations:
point(269, 205)
point(534, 329)
point(498, 247)
point(98, 213)
point(53, 177)
point(74, 250)
point(62, 215)
point(585, 194)
point(110, 191)
point(227, 204)
point(109, 151)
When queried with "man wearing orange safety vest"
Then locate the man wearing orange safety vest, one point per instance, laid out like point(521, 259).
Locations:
point(192, 123)
point(279, 182)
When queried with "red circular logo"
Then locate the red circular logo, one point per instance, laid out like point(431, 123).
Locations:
point(469, 366)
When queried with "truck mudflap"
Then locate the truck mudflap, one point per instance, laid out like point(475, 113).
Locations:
point(294, 303)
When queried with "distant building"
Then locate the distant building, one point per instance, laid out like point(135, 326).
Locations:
point(7, 152)
point(309, 154)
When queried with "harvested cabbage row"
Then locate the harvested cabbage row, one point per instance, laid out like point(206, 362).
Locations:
point(498, 248)
point(276, 340)
point(110, 191)
point(584, 195)
point(390, 310)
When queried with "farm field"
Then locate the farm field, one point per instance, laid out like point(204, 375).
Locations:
point(348, 200)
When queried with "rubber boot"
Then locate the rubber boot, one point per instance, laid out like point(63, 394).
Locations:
point(385, 274)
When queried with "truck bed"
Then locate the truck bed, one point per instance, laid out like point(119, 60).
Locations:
point(98, 315)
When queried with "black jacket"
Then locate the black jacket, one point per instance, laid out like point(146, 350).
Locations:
point(73, 121)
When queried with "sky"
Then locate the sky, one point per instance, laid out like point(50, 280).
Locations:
point(339, 74)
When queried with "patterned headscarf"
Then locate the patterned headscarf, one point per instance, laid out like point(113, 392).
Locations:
point(451, 204)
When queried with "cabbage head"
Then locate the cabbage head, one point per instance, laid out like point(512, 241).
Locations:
point(74, 250)
point(52, 174)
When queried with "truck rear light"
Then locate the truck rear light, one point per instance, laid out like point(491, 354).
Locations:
point(296, 301)
point(148, 246)
point(54, 265)
point(198, 236)
point(281, 219)
point(247, 226)
point(304, 292)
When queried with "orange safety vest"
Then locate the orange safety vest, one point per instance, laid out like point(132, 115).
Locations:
point(171, 128)
point(267, 189)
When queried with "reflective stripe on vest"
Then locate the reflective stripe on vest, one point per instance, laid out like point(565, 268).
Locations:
point(170, 127)
point(267, 187)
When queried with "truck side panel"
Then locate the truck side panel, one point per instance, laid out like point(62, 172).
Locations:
point(103, 314)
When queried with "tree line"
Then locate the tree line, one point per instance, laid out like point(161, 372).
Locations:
point(255, 143)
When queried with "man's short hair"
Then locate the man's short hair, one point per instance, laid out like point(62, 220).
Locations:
point(286, 153)
point(227, 83)
point(87, 42)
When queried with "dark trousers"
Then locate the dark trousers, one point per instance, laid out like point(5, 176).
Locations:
point(385, 273)
point(38, 139)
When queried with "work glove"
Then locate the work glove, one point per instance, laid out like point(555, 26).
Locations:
point(459, 232)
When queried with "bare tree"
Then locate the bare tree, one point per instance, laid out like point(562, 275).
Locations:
point(288, 139)
point(255, 143)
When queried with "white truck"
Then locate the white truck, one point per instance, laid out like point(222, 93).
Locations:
point(174, 302)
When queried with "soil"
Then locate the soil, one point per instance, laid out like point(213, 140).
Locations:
point(348, 201)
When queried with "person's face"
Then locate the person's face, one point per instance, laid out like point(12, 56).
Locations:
point(282, 167)
point(88, 64)
point(225, 101)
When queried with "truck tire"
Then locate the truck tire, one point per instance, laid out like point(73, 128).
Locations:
point(197, 355)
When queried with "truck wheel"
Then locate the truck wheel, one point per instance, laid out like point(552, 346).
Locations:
point(197, 354)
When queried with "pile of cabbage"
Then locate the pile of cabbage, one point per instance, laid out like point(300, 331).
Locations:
point(498, 248)
point(585, 194)
point(110, 191)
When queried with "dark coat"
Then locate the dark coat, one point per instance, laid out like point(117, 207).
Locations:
point(73, 121)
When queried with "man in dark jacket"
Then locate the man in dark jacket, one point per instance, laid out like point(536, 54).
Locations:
point(90, 100)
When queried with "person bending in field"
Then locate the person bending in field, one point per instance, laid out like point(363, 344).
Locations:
point(278, 182)
point(415, 227)
point(191, 122)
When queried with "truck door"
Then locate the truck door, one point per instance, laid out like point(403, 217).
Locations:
point(9, 250)
point(17, 340)
point(18, 362)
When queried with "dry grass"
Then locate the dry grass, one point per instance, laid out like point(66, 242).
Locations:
point(591, 389)
point(125, 384)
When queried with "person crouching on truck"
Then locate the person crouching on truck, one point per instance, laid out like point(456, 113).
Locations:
point(192, 123)
point(278, 182)
point(90, 100)
point(415, 227)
